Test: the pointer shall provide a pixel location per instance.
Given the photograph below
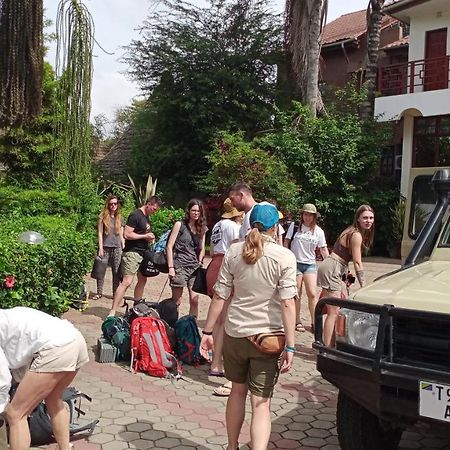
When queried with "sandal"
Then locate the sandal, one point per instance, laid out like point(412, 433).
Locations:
point(216, 373)
point(97, 297)
point(224, 390)
point(300, 328)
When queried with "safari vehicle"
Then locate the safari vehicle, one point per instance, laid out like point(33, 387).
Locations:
point(391, 360)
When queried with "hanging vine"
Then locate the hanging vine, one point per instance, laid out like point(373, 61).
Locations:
point(75, 39)
point(21, 60)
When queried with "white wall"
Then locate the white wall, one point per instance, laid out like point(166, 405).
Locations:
point(419, 25)
point(429, 103)
point(408, 128)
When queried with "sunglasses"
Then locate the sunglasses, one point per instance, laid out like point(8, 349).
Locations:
point(113, 204)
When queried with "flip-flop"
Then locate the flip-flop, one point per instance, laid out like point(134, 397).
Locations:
point(222, 391)
point(300, 328)
point(97, 297)
point(216, 373)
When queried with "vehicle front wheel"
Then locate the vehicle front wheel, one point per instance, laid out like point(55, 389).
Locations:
point(360, 429)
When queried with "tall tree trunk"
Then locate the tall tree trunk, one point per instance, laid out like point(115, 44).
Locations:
point(303, 28)
point(374, 17)
point(312, 94)
point(21, 60)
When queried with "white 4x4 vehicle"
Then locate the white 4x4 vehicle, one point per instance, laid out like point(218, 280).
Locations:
point(391, 361)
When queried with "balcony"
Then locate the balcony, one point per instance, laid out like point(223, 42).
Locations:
point(414, 76)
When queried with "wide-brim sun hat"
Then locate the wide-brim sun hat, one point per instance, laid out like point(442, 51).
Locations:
point(229, 211)
point(264, 215)
point(310, 208)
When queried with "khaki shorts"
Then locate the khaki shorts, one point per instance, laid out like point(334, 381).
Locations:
point(184, 276)
point(67, 358)
point(329, 275)
point(131, 262)
point(244, 363)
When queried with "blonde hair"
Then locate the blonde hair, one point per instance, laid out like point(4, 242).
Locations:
point(105, 216)
point(253, 247)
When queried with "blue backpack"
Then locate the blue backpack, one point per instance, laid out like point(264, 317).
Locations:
point(159, 257)
point(188, 341)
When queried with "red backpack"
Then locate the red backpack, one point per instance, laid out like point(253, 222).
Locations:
point(150, 348)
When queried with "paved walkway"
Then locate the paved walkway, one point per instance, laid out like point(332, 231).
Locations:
point(140, 412)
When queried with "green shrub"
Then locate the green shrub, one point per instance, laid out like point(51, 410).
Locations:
point(47, 276)
point(163, 219)
point(34, 202)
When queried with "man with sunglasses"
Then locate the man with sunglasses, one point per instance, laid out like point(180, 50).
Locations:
point(137, 237)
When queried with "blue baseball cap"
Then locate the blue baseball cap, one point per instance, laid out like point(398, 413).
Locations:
point(266, 215)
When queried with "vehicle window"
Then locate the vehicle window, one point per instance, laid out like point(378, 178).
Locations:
point(445, 239)
point(422, 204)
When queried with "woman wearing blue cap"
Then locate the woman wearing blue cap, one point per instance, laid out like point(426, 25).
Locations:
point(260, 276)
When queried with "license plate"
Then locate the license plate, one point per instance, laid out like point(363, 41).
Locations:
point(434, 400)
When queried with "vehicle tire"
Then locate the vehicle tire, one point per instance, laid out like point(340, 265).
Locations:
point(359, 429)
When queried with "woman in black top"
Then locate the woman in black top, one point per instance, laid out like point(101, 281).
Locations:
point(185, 251)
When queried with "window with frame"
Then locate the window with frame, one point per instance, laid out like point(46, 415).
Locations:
point(431, 141)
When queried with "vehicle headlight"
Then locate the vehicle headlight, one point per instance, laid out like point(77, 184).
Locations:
point(357, 328)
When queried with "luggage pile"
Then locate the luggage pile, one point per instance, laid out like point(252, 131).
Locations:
point(152, 338)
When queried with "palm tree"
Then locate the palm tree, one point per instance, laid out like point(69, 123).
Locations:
point(374, 18)
point(21, 60)
point(305, 20)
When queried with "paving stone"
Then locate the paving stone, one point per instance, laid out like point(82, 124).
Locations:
point(187, 425)
point(201, 432)
point(114, 445)
point(102, 438)
point(322, 424)
point(139, 427)
point(112, 414)
point(125, 420)
point(152, 435)
point(317, 432)
point(167, 443)
point(185, 415)
point(142, 444)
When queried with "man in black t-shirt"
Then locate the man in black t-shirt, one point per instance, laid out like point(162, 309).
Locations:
point(137, 237)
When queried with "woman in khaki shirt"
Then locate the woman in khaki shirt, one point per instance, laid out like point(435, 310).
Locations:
point(261, 277)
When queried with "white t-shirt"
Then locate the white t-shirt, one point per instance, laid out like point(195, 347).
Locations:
point(305, 242)
point(245, 227)
point(223, 234)
point(24, 332)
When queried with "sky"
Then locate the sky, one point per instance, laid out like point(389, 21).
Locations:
point(116, 25)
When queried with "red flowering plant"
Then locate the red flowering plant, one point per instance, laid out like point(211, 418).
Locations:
point(9, 282)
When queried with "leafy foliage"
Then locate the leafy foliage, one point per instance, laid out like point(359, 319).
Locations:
point(235, 159)
point(163, 219)
point(47, 276)
point(334, 159)
point(27, 150)
point(204, 69)
point(141, 193)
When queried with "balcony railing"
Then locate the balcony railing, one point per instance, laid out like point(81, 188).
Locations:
point(414, 76)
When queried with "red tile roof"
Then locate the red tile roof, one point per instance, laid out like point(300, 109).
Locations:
point(349, 26)
point(400, 43)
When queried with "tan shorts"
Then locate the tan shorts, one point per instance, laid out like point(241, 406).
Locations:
point(131, 262)
point(67, 358)
point(329, 274)
point(244, 363)
point(184, 276)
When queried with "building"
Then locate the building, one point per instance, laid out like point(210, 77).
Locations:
point(344, 57)
point(344, 47)
point(416, 93)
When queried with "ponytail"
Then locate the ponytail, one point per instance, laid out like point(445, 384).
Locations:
point(253, 247)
